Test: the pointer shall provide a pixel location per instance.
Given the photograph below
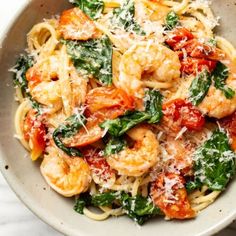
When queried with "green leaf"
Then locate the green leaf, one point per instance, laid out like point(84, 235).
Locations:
point(139, 208)
point(23, 63)
point(124, 17)
point(219, 76)
point(153, 105)
point(66, 130)
point(92, 57)
point(81, 202)
point(104, 199)
point(192, 185)
point(172, 20)
point(199, 87)
point(215, 161)
point(115, 145)
point(152, 114)
point(119, 126)
point(92, 8)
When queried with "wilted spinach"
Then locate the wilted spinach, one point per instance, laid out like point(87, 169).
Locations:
point(172, 20)
point(152, 114)
point(199, 87)
point(219, 76)
point(214, 162)
point(23, 63)
point(124, 17)
point(92, 57)
point(92, 8)
point(137, 208)
point(66, 130)
point(114, 145)
point(153, 105)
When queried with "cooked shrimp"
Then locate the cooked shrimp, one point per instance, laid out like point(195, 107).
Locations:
point(151, 11)
point(137, 160)
point(75, 25)
point(215, 104)
point(43, 84)
point(67, 176)
point(146, 57)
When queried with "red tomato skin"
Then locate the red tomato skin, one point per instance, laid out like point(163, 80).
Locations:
point(229, 123)
point(35, 131)
point(171, 200)
point(185, 113)
point(195, 65)
point(179, 37)
point(97, 163)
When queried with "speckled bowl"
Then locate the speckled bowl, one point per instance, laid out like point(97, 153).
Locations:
point(24, 176)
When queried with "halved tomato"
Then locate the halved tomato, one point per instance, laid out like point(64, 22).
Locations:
point(184, 114)
point(107, 97)
point(35, 132)
point(98, 165)
point(169, 194)
point(194, 65)
point(229, 123)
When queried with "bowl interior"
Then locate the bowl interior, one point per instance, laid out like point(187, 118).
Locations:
point(24, 176)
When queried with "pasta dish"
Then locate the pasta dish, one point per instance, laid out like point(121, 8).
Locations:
point(130, 107)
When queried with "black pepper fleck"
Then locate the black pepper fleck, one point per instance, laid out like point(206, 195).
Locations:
point(6, 167)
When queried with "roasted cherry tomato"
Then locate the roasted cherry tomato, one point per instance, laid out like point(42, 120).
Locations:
point(98, 165)
point(178, 37)
point(86, 135)
point(197, 49)
point(169, 194)
point(194, 65)
point(106, 98)
point(184, 114)
point(229, 123)
point(34, 131)
point(76, 25)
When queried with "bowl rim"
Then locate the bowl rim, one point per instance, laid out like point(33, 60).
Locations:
point(40, 213)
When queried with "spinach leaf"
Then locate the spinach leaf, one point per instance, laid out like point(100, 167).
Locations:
point(152, 114)
point(92, 8)
point(92, 57)
point(68, 129)
point(119, 126)
point(23, 63)
point(115, 145)
point(219, 76)
point(199, 87)
point(137, 208)
point(124, 17)
point(172, 20)
point(104, 199)
point(81, 202)
point(192, 185)
point(153, 105)
point(214, 162)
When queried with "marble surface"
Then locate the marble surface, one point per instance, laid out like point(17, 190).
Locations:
point(16, 219)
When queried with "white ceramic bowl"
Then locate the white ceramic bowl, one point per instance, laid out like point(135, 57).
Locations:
point(24, 176)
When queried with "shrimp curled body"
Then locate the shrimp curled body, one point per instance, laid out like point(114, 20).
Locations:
point(137, 160)
point(44, 86)
point(67, 176)
point(146, 57)
point(216, 105)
